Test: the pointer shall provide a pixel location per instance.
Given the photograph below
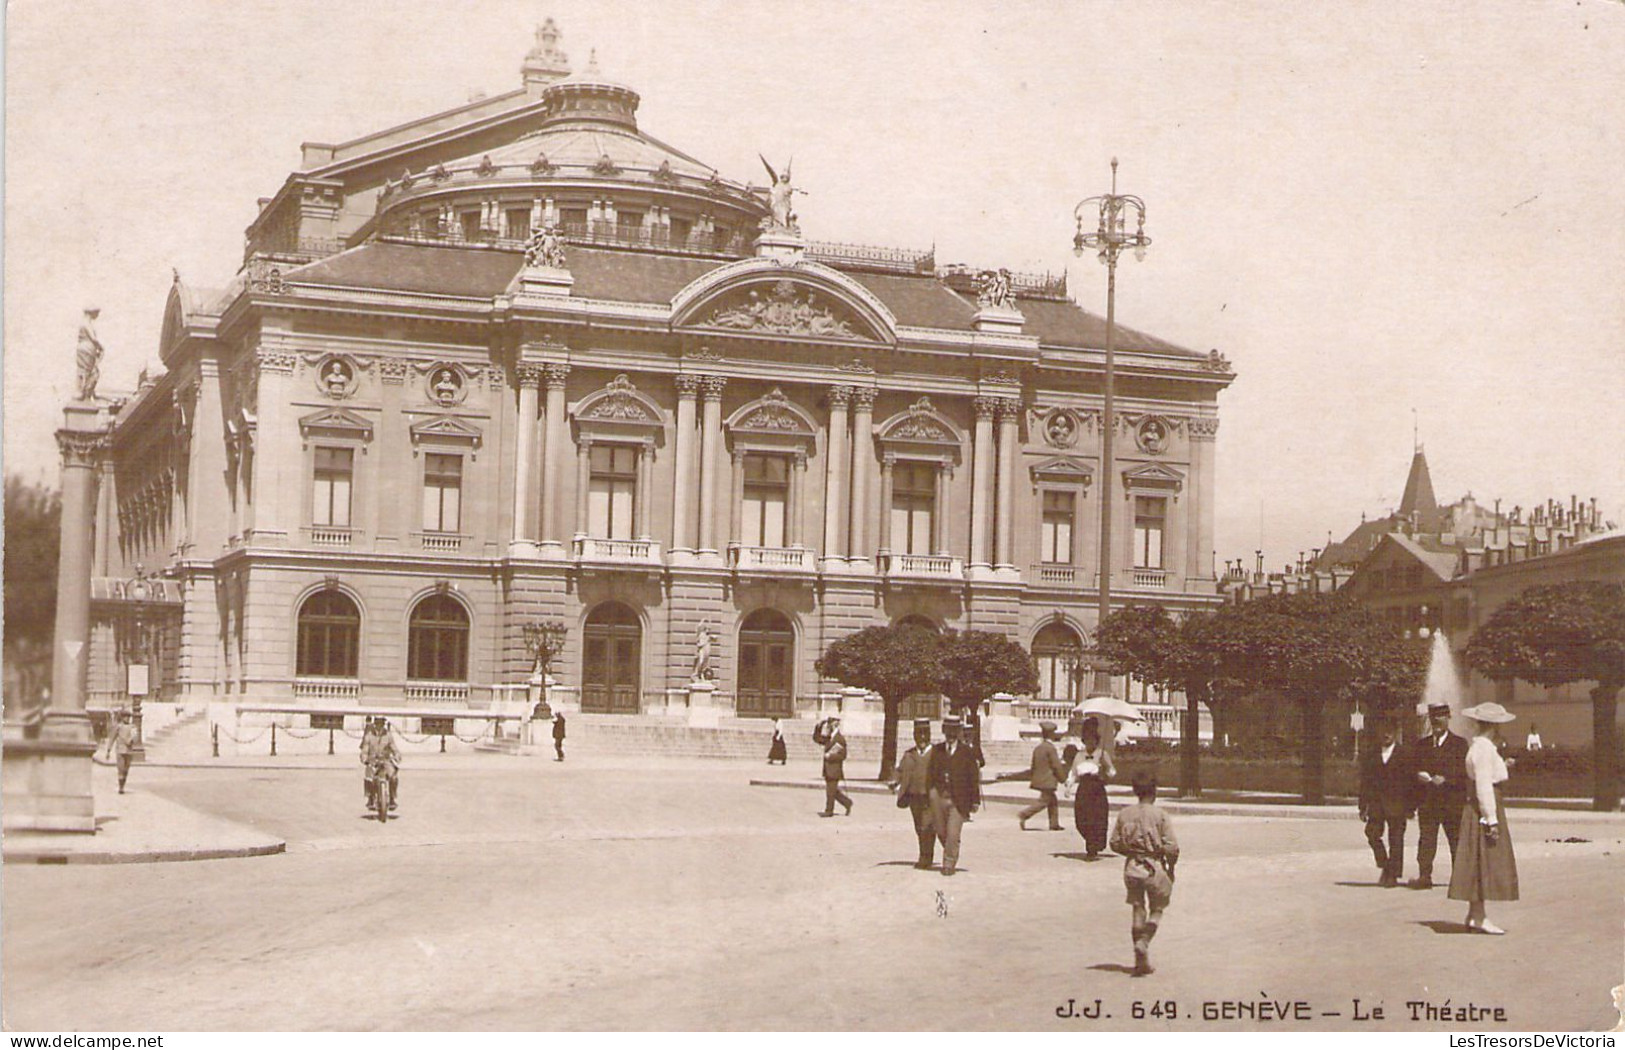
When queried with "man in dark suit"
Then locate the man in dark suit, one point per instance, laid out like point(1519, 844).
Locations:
point(1047, 774)
point(913, 786)
point(1439, 760)
point(834, 765)
point(956, 789)
point(1385, 800)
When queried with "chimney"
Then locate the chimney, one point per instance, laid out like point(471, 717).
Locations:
point(1260, 571)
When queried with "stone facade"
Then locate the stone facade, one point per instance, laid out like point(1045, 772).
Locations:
point(399, 437)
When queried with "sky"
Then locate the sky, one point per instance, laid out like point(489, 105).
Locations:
point(1386, 215)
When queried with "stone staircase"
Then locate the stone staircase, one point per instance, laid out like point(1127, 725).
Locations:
point(181, 739)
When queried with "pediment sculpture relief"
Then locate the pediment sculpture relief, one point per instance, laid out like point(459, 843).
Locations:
point(783, 311)
point(774, 413)
point(620, 402)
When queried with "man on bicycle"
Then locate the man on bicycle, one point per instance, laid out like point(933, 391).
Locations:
point(380, 757)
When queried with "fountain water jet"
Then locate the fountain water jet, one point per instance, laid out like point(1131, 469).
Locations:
point(1443, 682)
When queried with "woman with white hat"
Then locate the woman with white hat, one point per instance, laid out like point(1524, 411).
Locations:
point(1485, 868)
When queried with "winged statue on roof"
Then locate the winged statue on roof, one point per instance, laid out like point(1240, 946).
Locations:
point(780, 195)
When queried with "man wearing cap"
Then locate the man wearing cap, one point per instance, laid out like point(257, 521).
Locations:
point(120, 745)
point(913, 787)
point(1385, 801)
point(834, 765)
point(956, 789)
point(1047, 773)
point(1440, 761)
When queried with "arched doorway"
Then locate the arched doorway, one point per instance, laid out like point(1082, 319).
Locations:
point(920, 705)
point(329, 636)
point(767, 647)
point(612, 654)
point(1054, 647)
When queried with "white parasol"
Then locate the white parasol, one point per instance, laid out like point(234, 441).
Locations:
point(1109, 706)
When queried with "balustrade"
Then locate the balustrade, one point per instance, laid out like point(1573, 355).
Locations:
point(437, 692)
point(929, 566)
point(795, 559)
point(327, 689)
point(330, 536)
point(597, 549)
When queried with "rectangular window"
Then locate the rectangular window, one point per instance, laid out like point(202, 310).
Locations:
point(574, 219)
point(913, 506)
point(629, 222)
point(442, 493)
point(518, 223)
point(471, 225)
point(335, 474)
point(680, 229)
point(1150, 518)
point(611, 491)
point(767, 491)
point(1056, 539)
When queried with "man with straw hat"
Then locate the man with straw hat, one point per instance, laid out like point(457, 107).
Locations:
point(913, 787)
point(956, 789)
point(1440, 760)
point(1485, 869)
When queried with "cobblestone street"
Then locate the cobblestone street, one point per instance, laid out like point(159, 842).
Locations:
point(520, 894)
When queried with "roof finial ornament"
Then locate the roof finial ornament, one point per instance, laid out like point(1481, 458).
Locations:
point(592, 64)
point(545, 63)
point(780, 196)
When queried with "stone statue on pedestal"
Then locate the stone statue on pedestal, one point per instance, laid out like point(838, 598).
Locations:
point(546, 248)
point(702, 655)
point(779, 196)
point(88, 358)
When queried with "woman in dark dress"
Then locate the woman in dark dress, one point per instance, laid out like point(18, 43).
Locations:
point(1087, 775)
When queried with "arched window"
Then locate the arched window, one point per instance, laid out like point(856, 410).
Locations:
point(437, 640)
point(329, 635)
point(1054, 647)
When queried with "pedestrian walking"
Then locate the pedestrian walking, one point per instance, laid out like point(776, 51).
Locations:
point(1386, 794)
point(913, 787)
point(828, 735)
point(1047, 774)
point(1486, 869)
point(558, 737)
point(1532, 741)
point(1086, 781)
point(1440, 763)
point(776, 750)
point(956, 789)
point(120, 745)
point(1145, 837)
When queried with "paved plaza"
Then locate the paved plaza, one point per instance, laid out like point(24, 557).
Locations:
point(519, 893)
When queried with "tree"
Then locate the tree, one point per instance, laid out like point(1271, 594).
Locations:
point(977, 664)
point(33, 515)
point(1562, 633)
point(1312, 648)
point(1148, 643)
point(895, 662)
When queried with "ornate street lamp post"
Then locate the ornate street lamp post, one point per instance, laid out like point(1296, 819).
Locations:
point(1111, 214)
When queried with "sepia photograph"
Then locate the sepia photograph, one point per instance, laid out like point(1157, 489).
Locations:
point(740, 490)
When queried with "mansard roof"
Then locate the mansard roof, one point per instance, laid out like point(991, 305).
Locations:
point(647, 277)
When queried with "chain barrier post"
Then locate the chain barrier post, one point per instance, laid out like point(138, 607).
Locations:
point(442, 743)
point(330, 740)
point(273, 739)
point(214, 738)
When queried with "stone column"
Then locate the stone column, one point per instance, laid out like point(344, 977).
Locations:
point(1204, 436)
point(863, 458)
point(736, 515)
point(106, 510)
point(940, 541)
point(646, 474)
point(888, 462)
point(682, 537)
point(834, 460)
point(1009, 434)
point(557, 432)
point(583, 482)
point(523, 543)
point(710, 452)
point(981, 493)
point(795, 514)
point(47, 765)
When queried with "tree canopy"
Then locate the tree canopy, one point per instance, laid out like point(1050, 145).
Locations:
point(1558, 634)
point(977, 664)
point(896, 662)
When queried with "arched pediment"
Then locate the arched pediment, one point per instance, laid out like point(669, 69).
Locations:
point(920, 424)
point(619, 402)
point(775, 414)
point(766, 296)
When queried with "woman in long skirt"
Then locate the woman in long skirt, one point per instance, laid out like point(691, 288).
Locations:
point(1484, 868)
point(775, 750)
point(1087, 776)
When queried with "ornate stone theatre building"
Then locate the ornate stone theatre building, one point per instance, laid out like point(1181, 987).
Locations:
point(521, 362)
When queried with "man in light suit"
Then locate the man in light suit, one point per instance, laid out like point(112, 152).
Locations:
point(1047, 774)
point(913, 787)
point(956, 789)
